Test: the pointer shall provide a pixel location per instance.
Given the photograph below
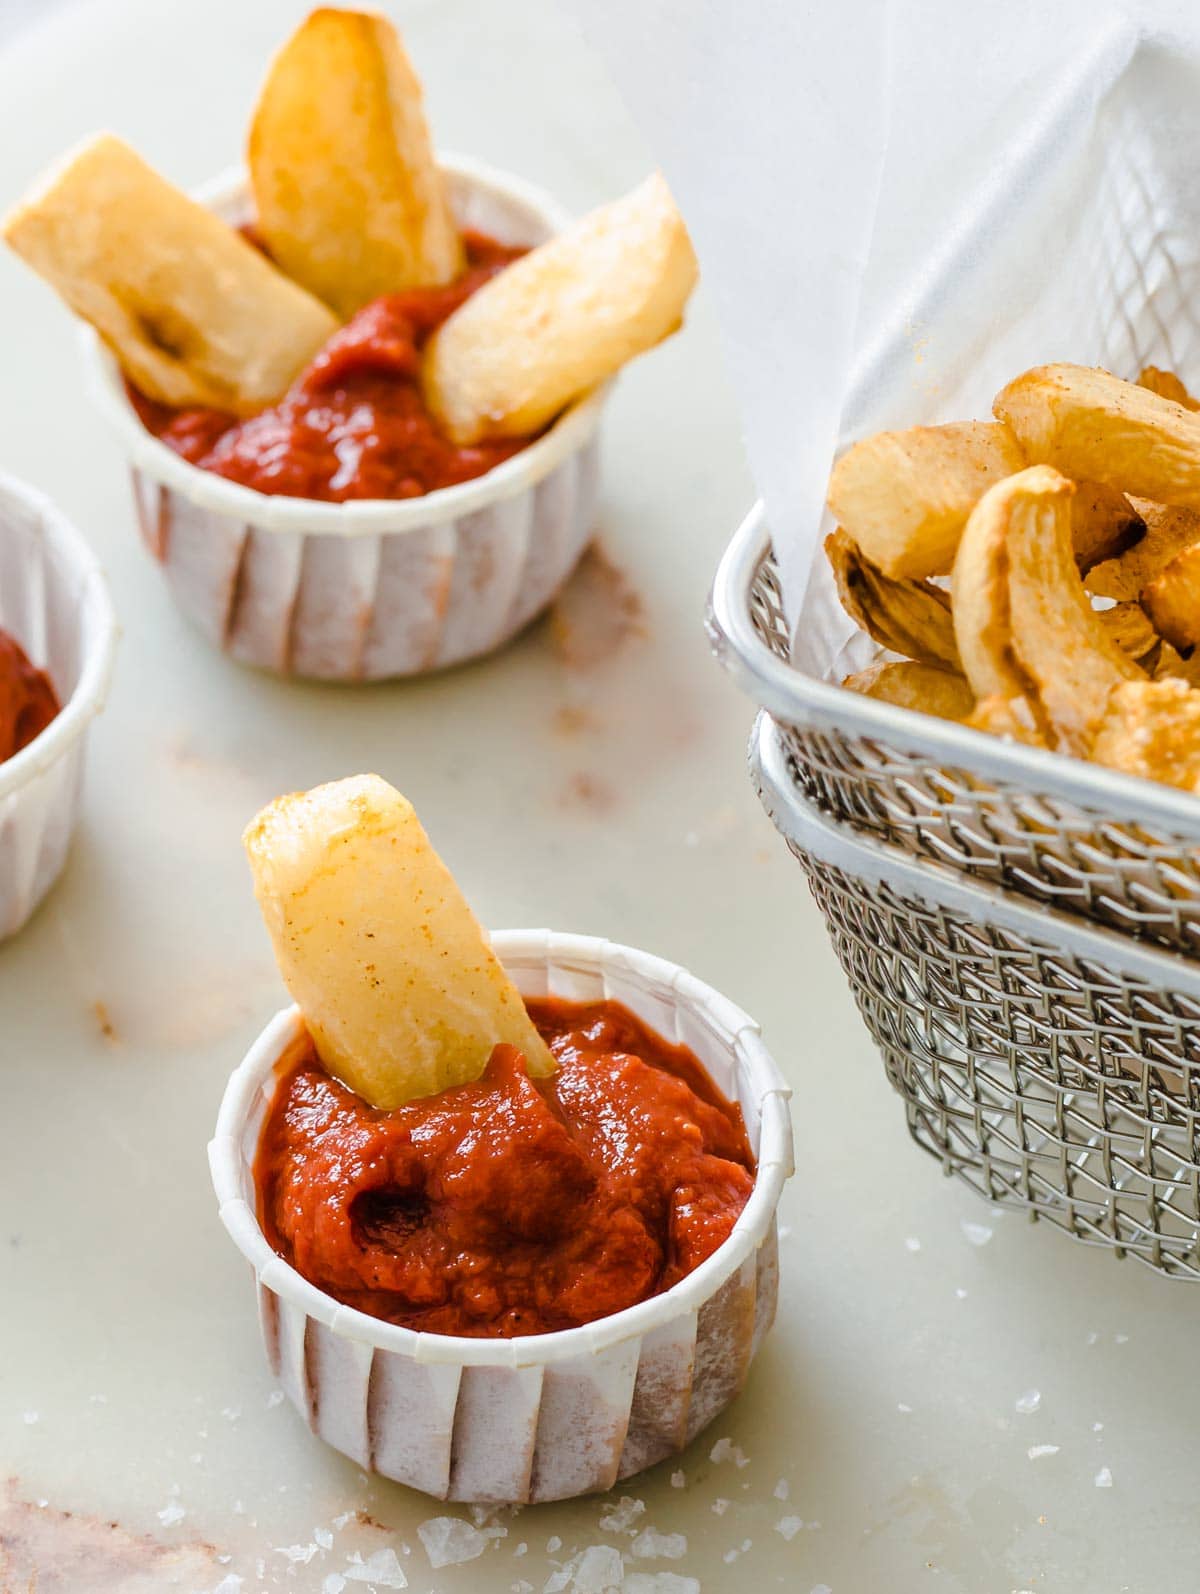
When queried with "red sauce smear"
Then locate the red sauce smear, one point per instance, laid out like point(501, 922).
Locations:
point(28, 701)
point(509, 1206)
point(354, 423)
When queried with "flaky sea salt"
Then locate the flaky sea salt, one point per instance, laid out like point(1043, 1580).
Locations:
point(230, 1584)
point(1029, 1402)
point(171, 1513)
point(912, 1243)
point(1103, 1479)
point(323, 1538)
point(651, 1545)
point(31, 1417)
point(297, 1554)
point(678, 1480)
point(449, 1541)
point(976, 1233)
point(659, 1583)
point(726, 1450)
point(382, 1569)
point(788, 1527)
point(622, 1517)
point(275, 1398)
point(720, 1506)
point(597, 1570)
point(1036, 1452)
point(553, 1544)
point(334, 1583)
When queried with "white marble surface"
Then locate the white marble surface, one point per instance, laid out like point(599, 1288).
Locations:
point(612, 801)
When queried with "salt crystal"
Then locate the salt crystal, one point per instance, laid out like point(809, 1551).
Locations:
point(788, 1527)
point(820, 1588)
point(196, 1458)
point(383, 1569)
point(912, 1243)
point(98, 1400)
point(1097, 1427)
point(231, 1413)
point(1092, 1337)
point(621, 1517)
point(1036, 1452)
point(171, 1514)
point(960, 1294)
point(229, 1585)
point(720, 1507)
point(520, 1587)
point(730, 1557)
point(651, 1545)
point(1121, 1339)
point(900, 1406)
point(297, 1554)
point(1103, 1479)
point(678, 1480)
point(726, 1450)
point(275, 1398)
point(659, 1583)
point(339, 1522)
point(781, 1489)
point(553, 1544)
point(521, 1549)
point(323, 1537)
point(30, 1418)
point(1029, 1402)
point(449, 1541)
point(976, 1233)
point(239, 1510)
point(597, 1570)
point(333, 1584)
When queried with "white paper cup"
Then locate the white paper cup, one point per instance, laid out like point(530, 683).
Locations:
point(378, 588)
point(54, 601)
point(549, 1416)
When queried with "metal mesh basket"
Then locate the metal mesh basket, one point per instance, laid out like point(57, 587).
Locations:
point(1053, 1066)
point(1109, 847)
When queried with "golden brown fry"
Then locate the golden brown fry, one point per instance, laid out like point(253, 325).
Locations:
point(905, 496)
point(979, 596)
point(1167, 385)
point(1103, 524)
point(1172, 600)
point(1010, 717)
point(194, 314)
point(398, 986)
point(1093, 427)
point(1152, 729)
point(908, 617)
point(349, 198)
point(922, 687)
point(1171, 665)
point(1168, 532)
point(1058, 640)
point(1127, 626)
point(562, 319)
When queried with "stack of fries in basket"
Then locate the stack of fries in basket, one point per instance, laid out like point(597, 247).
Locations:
point(1069, 529)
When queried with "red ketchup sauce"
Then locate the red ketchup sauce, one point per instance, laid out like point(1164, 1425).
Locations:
point(509, 1206)
point(28, 701)
point(354, 423)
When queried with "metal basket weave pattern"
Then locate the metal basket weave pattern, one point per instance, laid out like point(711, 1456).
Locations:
point(1110, 848)
point(1053, 1067)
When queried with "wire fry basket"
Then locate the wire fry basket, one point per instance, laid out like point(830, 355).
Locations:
point(1054, 1067)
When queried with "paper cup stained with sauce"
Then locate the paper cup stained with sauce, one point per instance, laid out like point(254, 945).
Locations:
point(547, 1416)
point(55, 602)
point(374, 588)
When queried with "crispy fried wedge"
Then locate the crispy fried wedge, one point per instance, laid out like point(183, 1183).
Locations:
point(1010, 717)
point(397, 984)
point(904, 497)
point(1172, 600)
point(1104, 524)
point(1168, 532)
point(979, 595)
point(1128, 627)
point(909, 617)
point(349, 198)
point(194, 314)
point(1152, 729)
point(923, 687)
point(1058, 640)
point(1093, 427)
point(1167, 385)
point(562, 319)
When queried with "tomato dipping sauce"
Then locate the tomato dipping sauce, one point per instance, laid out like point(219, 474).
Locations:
point(354, 423)
point(510, 1205)
point(28, 701)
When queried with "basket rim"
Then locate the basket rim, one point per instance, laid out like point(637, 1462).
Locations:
point(838, 845)
point(801, 700)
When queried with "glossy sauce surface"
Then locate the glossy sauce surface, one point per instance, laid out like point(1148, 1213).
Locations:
point(28, 701)
point(509, 1206)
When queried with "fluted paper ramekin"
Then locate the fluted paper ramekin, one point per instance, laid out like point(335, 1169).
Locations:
point(55, 602)
point(375, 588)
point(547, 1416)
